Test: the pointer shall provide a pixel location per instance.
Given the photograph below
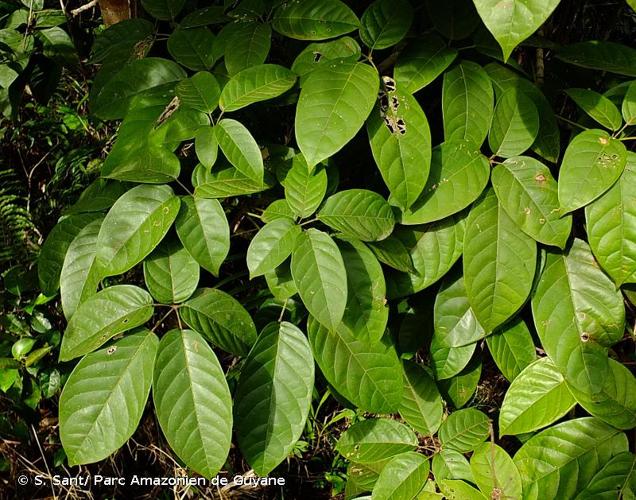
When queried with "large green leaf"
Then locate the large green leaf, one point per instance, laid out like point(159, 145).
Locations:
point(305, 187)
point(53, 252)
point(422, 62)
point(221, 319)
point(117, 42)
point(536, 398)
point(314, 19)
point(447, 361)
point(616, 479)
point(467, 103)
point(515, 124)
point(134, 226)
point(108, 313)
point(495, 473)
point(528, 193)
point(451, 464)
point(402, 155)
point(459, 173)
point(320, 276)
point(201, 92)
point(254, 84)
point(367, 373)
point(459, 389)
point(192, 401)
point(366, 313)
point(334, 102)
point(204, 231)
point(601, 56)
point(598, 107)
point(611, 226)
point(141, 162)
point(512, 21)
point(171, 274)
point(240, 148)
point(560, 461)
point(499, 263)
point(99, 195)
point(464, 430)
point(192, 48)
point(105, 395)
point(421, 407)
point(358, 213)
point(247, 45)
point(385, 22)
point(273, 396)
point(271, 246)
point(593, 161)
point(225, 181)
point(512, 348)
point(402, 477)
point(392, 252)
point(80, 274)
point(375, 439)
point(317, 54)
point(578, 314)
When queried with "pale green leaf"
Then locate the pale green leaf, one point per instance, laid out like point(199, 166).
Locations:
point(447, 361)
point(495, 473)
point(451, 464)
point(454, 489)
point(254, 84)
point(318, 54)
point(403, 477)
point(277, 209)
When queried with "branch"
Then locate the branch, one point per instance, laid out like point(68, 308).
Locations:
point(84, 7)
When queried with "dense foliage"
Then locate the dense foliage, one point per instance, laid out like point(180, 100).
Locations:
point(377, 190)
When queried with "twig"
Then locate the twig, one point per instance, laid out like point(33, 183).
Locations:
point(46, 465)
point(84, 7)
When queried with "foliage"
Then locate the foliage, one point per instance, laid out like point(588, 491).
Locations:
point(294, 142)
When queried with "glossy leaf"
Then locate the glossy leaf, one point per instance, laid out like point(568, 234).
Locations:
point(459, 490)
point(615, 479)
point(305, 188)
point(512, 348)
point(385, 22)
point(494, 471)
point(460, 388)
point(314, 19)
point(451, 464)
point(515, 124)
point(254, 84)
point(248, 45)
point(271, 246)
point(402, 478)
point(421, 405)
point(206, 146)
point(599, 107)
point(171, 274)
point(240, 148)
point(600, 55)
point(201, 92)
point(448, 361)
point(628, 107)
point(464, 430)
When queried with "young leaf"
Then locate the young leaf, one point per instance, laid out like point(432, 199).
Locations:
point(385, 23)
point(314, 19)
point(201, 92)
point(421, 406)
point(334, 102)
point(134, 226)
point(305, 187)
point(514, 21)
point(599, 107)
point(375, 439)
point(104, 397)
point(515, 124)
point(105, 314)
point(499, 263)
point(320, 276)
point(221, 319)
point(192, 401)
point(240, 148)
point(171, 274)
point(204, 231)
point(192, 48)
point(358, 213)
point(494, 471)
point(403, 477)
point(512, 348)
point(464, 430)
point(537, 398)
point(271, 246)
point(273, 396)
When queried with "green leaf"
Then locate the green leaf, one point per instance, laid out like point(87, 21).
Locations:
point(527, 192)
point(434, 249)
point(375, 439)
point(314, 19)
point(255, 84)
point(109, 312)
point(599, 107)
point(365, 372)
point(305, 187)
point(601, 56)
point(448, 361)
point(334, 102)
point(402, 477)
point(206, 146)
point(141, 162)
point(385, 22)
point(537, 398)
point(421, 62)
point(117, 43)
point(225, 181)
point(499, 263)
point(459, 389)
point(459, 173)
point(454, 19)
point(247, 46)
point(318, 54)
point(464, 430)
point(192, 48)
point(629, 104)
point(201, 92)
point(214, 14)
point(515, 124)
point(134, 226)
point(467, 103)
point(171, 274)
point(271, 246)
point(612, 480)
point(99, 195)
point(392, 252)
point(53, 252)
point(577, 450)
point(80, 274)
point(494, 471)
point(273, 396)
point(320, 276)
point(281, 283)
point(578, 314)
point(421, 406)
point(366, 313)
point(459, 490)
point(104, 398)
point(240, 148)
point(277, 209)
point(611, 226)
point(221, 319)
point(204, 231)
point(512, 348)
point(358, 213)
point(513, 21)
point(192, 401)
point(163, 9)
point(451, 464)
point(113, 100)
point(402, 155)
